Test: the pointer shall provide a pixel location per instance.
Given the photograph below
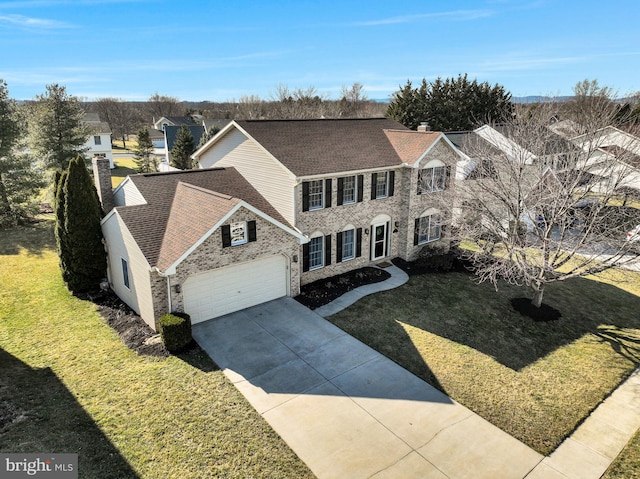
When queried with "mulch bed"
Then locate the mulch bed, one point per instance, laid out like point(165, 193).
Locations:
point(542, 314)
point(134, 332)
point(323, 291)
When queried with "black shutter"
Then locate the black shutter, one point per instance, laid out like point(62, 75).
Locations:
point(392, 180)
point(416, 232)
point(447, 180)
point(339, 247)
point(305, 196)
point(374, 180)
point(251, 230)
point(340, 198)
point(327, 249)
point(360, 187)
point(226, 235)
point(305, 257)
point(327, 193)
point(358, 242)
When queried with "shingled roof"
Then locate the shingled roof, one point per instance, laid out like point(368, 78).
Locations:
point(411, 145)
point(183, 204)
point(318, 147)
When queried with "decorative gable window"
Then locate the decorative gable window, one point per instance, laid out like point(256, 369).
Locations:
point(427, 229)
point(316, 195)
point(433, 179)
point(350, 189)
point(238, 233)
point(382, 184)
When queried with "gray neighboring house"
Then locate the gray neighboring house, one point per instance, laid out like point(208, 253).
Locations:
point(171, 132)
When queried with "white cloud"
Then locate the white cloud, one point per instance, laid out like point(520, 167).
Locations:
point(31, 22)
point(461, 15)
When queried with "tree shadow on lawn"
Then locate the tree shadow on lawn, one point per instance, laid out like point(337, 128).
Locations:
point(35, 237)
point(482, 318)
point(38, 414)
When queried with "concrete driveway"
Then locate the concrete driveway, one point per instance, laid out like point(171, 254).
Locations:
point(348, 411)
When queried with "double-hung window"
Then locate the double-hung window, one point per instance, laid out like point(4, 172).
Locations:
point(382, 185)
point(348, 245)
point(427, 229)
point(316, 252)
point(431, 180)
point(316, 195)
point(348, 190)
point(97, 140)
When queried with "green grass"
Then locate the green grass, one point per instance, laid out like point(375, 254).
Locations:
point(68, 384)
point(536, 381)
point(627, 465)
point(124, 167)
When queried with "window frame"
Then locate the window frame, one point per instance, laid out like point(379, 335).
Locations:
point(344, 235)
point(97, 140)
point(354, 190)
point(240, 226)
point(434, 180)
point(319, 253)
point(384, 174)
point(126, 280)
point(424, 238)
point(315, 195)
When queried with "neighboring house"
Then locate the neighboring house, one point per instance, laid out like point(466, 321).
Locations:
point(361, 190)
point(99, 141)
point(171, 133)
point(201, 241)
point(157, 138)
point(215, 124)
point(174, 121)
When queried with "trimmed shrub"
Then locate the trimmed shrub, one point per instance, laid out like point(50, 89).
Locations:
point(175, 331)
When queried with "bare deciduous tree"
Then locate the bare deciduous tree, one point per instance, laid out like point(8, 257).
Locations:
point(535, 207)
point(163, 105)
point(122, 118)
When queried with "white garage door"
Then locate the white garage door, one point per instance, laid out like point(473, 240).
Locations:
point(225, 290)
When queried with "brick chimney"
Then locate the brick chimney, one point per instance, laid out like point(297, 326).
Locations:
point(424, 126)
point(102, 178)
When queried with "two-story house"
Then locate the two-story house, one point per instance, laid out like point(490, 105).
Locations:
point(361, 190)
point(276, 205)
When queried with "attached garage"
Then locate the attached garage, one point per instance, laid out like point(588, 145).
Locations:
point(232, 288)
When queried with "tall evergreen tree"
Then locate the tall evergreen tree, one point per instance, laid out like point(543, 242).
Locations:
point(451, 104)
point(143, 153)
point(60, 204)
point(182, 149)
point(82, 253)
point(19, 182)
point(56, 128)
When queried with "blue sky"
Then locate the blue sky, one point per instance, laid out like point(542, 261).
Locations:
point(223, 50)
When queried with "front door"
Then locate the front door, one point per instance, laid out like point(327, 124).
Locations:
point(379, 240)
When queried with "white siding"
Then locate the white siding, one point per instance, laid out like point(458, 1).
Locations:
point(104, 148)
point(122, 245)
point(127, 194)
point(267, 175)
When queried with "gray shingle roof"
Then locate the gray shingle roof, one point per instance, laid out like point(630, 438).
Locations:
point(148, 223)
point(171, 132)
point(317, 147)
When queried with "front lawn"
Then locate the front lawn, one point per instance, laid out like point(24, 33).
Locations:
point(124, 167)
point(68, 384)
point(534, 380)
